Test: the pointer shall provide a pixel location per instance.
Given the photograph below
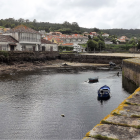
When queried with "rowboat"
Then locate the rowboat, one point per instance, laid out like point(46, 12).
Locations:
point(104, 92)
point(93, 80)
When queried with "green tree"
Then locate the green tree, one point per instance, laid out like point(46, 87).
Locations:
point(138, 44)
point(101, 45)
point(89, 37)
point(92, 45)
point(96, 39)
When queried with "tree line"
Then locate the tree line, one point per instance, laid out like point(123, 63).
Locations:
point(66, 27)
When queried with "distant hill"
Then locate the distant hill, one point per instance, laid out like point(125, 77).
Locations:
point(123, 32)
point(66, 27)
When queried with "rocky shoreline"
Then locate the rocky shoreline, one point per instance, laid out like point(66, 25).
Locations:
point(55, 65)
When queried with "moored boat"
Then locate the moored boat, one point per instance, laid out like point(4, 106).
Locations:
point(93, 80)
point(104, 92)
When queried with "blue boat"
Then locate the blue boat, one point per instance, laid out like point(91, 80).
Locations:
point(104, 92)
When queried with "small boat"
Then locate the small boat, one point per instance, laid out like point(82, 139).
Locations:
point(104, 92)
point(93, 80)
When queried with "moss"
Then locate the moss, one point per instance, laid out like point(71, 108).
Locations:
point(87, 134)
point(116, 114)
point(103, 137)
point(106, 122)
point(135, 116)
point(138, 127)
point(128, 103)
point(125, 125)
point(122, 73)
point(106, 118)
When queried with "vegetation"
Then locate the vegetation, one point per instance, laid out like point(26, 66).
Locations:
point(95, 43)
point(118, 47)
point(65, 48)
point(66, 27)
point(4, 53)
point(103, 137)
point(123, 32)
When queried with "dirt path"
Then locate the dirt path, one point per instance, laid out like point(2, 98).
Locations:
point(115, 54)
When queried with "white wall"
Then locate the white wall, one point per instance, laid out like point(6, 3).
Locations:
point(48, 47)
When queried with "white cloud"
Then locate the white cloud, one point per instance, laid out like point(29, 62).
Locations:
point(87, 13)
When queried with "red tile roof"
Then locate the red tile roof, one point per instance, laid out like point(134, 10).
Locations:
point(67, 44)
point(23, 29)
point(7, 38)
point(44, 41)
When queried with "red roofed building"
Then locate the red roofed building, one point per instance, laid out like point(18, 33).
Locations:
point(62, 39)
point(122, 39)
point(47, 45)
point(28, 38)
point(7, 43)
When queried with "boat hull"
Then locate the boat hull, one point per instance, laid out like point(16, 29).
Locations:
point(92, 80)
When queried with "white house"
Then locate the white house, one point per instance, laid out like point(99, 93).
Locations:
point(28, 39)
point(105, 35)
point(48, 46)
point(8, 43)
point(78, 48)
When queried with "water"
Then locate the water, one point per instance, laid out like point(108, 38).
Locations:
point(31, 104)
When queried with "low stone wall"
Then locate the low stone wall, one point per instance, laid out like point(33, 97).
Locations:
point(26, 56)
point(92, 58)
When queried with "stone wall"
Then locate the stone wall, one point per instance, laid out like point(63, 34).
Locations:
point(131, 70)
point(92, 58)
point(7, 57)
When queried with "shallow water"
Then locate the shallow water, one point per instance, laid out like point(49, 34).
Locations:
point(31, 104)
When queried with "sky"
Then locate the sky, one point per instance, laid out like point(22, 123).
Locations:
point(102, 14)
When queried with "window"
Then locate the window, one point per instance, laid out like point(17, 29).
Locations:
point(23, 48)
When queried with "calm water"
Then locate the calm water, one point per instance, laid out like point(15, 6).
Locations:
point(31, 104)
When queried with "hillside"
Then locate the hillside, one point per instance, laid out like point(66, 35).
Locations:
point(66, 27)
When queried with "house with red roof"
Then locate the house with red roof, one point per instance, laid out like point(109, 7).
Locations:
point(7, 43)
point(23, 38)
point(47, 45)
point(105, 35)
point(122, 39)
point(28, 39)
point(63, 39)
point(92, 34)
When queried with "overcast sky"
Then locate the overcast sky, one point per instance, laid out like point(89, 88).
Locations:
point(102, 14)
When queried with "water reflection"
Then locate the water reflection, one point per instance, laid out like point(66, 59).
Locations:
point(103, 100)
